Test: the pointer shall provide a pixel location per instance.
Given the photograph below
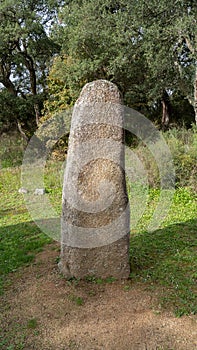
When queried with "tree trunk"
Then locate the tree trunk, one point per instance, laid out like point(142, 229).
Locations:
point(37, 112)
point(166, 109)
point(33, 83)
point(192, 49)
point(29, 63)
point(195, 96)
point(24, 136)
point(5, 79)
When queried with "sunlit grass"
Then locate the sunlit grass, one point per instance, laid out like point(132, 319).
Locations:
point(164, 260)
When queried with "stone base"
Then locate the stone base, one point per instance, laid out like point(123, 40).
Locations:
point(107, 261)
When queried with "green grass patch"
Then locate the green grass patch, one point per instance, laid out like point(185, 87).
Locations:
point(76, 299)
point(165, 259)
point(32, 323)
point(96, 280)
point(18, 246)
point(20, 238)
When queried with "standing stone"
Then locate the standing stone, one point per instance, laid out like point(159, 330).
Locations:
point(95, 208)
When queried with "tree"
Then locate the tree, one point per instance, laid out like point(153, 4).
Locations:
point(170, 47)
point(96, 44)
point(147, 48)
point(25, 51)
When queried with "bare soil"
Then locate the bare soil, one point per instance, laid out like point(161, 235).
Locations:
point(49, 313)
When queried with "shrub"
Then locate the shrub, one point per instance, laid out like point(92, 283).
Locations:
point(182, 143)
point(11, 150)
point(183, 146)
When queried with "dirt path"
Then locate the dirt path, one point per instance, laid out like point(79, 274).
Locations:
point(52, 314)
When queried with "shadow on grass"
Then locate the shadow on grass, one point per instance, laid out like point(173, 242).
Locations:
point(167, 258)
point(12, 211)
point(18, 246)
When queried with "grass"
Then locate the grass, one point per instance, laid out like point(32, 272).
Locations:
point(20, 238)
point(94, 279)
point(167, 257)
point(32, 323)
point(76, 299)
point(17, 337)
point(164, 260)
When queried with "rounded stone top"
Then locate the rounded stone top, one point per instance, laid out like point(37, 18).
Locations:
point(99, 91)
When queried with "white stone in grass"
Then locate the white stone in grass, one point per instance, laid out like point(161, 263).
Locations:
point(23, 190)
point(39, 191)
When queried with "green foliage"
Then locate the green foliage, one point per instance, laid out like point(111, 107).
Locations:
point(16, 108)
point(145, 49)
point(25, 53)
point(11, 150)
point(170, 45)
point(182, 143)
point(183, 146)
point(60, 96)
point(182, 112)
point(107, 52)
